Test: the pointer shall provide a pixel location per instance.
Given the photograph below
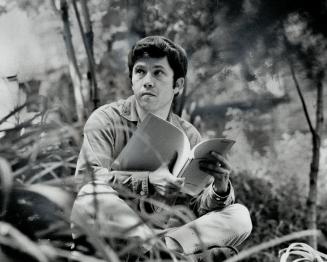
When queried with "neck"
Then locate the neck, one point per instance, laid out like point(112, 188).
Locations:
point(161, 113)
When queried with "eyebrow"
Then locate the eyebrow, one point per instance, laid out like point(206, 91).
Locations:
point(159, 66)
point(155, 66)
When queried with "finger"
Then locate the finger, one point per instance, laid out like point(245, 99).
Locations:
point(215, 173)
point(222, 160)
point(170, 186)
point(167, 191)
point(217, 176)
point(172, 162)
point(174, 186)
point(160, 190)
point(164, 191)
point(213, 168)
point(180, 181)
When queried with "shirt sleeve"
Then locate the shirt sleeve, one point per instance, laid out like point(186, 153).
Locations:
point(97, 154)
point(208, 200)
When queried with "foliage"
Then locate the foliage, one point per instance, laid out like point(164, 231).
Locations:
point(47, 151)
point(270, 213)
point(301, 251)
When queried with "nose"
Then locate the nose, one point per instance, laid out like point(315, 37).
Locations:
point(148, 82)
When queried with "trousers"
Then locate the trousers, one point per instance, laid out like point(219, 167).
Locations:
point(112, 216)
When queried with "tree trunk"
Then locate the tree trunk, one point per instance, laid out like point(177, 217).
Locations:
point(73, 68)
point(313, 189)
point(87, 25)
point(316, 142)
point(88, 36)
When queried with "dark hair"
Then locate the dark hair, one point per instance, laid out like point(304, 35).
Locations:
point(157, 47)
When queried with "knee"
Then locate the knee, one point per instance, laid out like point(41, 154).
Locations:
point(240, 220)
point(88, 195)
point(95, 189)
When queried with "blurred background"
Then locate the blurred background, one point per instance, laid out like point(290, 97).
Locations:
point(250, 62)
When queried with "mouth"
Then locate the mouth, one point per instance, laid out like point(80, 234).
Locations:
point(148, 94)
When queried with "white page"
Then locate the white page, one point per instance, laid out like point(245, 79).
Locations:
point(154, 143)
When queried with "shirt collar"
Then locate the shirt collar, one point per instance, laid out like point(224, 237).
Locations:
point(129, 112)
point(128, 109)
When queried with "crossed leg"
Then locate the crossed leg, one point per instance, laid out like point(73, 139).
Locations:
point(227, 227)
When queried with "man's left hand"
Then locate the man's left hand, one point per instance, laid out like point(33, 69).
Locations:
point(218, 167)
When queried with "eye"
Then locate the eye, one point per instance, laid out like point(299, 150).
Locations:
point(158, 72)
point(139, 71)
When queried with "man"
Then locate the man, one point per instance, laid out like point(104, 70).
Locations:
point(157, 69)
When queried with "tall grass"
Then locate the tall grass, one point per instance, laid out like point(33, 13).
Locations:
point(37, 162)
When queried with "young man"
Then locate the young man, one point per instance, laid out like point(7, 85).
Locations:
point(157, 68)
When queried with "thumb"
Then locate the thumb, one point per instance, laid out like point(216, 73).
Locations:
point(172, 162)
point(180, 180)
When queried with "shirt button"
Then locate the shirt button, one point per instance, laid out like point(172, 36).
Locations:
point(142, 193)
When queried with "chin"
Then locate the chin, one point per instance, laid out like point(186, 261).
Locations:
point(149, 107)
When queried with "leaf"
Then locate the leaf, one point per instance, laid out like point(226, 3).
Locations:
point(6, 183)
point(62, 198)
point(302, 252)
point(54, 253)
point(17, 240)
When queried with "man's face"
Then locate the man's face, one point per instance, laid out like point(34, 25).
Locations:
point(152, 83)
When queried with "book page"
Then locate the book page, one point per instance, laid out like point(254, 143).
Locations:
point(195, 179)
point(154, 143)
point(219, 145)
point(183, 151)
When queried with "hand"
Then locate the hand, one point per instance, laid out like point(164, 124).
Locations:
point(218, 167)
point(164, 182)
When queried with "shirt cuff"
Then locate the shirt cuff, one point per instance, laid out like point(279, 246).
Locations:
point(140, 183)
point(226, 200)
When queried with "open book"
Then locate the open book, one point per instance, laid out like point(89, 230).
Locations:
point(157, 141)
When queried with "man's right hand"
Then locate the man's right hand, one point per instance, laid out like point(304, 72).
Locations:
point(164, 182)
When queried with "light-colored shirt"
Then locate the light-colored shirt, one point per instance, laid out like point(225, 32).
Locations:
point(106, 133)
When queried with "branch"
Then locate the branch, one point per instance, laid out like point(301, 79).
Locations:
point(89, 54)
point(54, 7)
point(304, 106)
point(88, 25)
point(73, 67)
point(13, 112)
point(320, 104)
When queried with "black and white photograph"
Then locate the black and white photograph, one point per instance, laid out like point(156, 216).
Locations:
point(150, 130)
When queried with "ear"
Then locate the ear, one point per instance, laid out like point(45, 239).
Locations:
point(179, 86)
